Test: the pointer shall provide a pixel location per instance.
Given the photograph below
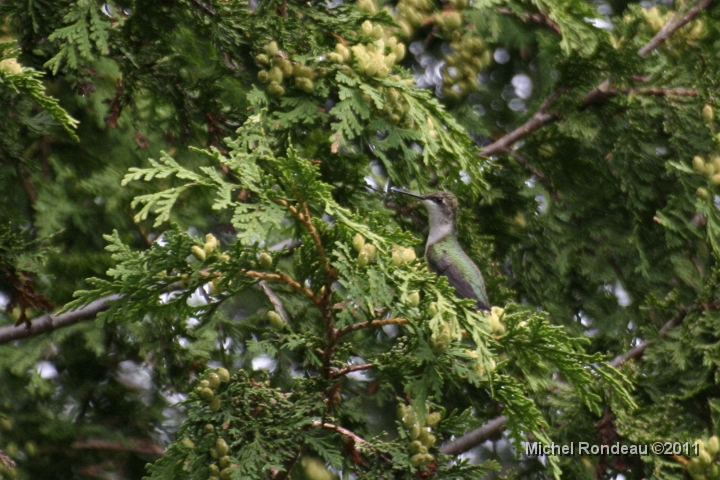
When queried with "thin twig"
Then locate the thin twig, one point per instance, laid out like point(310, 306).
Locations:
point(205, 6)
point(307, 221)
point(48, 323)
point(604, 92)
point(351, 368)
point(539, 18)
point(305, 218)
point(340, 430)
point(370, 323)
point(600, 93)
point(637, 351)
point(539, 119)
point(324, 300)
point(671, 27)
point(669, 92)
point(476, 437)
point(6, 460)
point(274, 299)
point(284, 278)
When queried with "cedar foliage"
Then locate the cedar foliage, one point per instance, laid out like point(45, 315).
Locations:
point(304, 333)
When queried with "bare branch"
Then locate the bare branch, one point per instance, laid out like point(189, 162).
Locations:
point(284, 278)
point(602, 92)
point(671, 27)
point(351, 368)
point(6, 460)
point(48, 323)
point(204, 6)
point(637, 351)
point(539, 18)
point(538, 120)
point(669, 92)
point(542, 117)
point(305, 218)
point(274, 299)
point(340, 430)
point(371, 323)
point(476, 437)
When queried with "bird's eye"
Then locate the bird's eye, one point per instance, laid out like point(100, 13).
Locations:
point(438, 200)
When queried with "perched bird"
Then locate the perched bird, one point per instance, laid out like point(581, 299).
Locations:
point(444, 254)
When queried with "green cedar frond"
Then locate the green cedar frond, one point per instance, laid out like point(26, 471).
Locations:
point(86, 32)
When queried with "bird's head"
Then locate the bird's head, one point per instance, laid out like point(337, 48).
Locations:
point(441, 206)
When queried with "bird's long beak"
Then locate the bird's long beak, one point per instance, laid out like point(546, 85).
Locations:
point(397, 190)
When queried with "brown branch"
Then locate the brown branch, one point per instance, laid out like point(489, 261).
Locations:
point(326, 292)
point(48, 323)
point(538, 120)
point(604, 92)
point(637, 351)
point(324, 300)
point(6, 460)
point(307, 221)
point(143, 447)
point(370, 323)
point(340, 430)
point(671, 27)
point(600, 93)
point(274, 299)
point(539, 18)
point(305, 218)
point(207, 8)
point(670, 92)
point(351, 368)
point(476, 437)
point(284, 278)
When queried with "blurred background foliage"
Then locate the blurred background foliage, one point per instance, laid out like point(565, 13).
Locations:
point(583, 153)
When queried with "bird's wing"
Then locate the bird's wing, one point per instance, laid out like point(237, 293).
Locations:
point(458, 274)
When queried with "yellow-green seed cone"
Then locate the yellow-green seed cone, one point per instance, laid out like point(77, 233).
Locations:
point(223, 374)
point(413, 299)
point(198, 253)
point(370, 250)
point(408, 255)
point(713, 445)
point(358, 242)
point(265, 260)
point(275, 320)
point(708, 113)
point(433, 419)
point(214, 380)
point(221, 446)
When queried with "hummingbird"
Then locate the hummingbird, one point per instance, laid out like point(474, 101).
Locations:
point(443, 252)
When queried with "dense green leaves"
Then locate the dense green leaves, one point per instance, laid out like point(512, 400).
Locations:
point(587, 198)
